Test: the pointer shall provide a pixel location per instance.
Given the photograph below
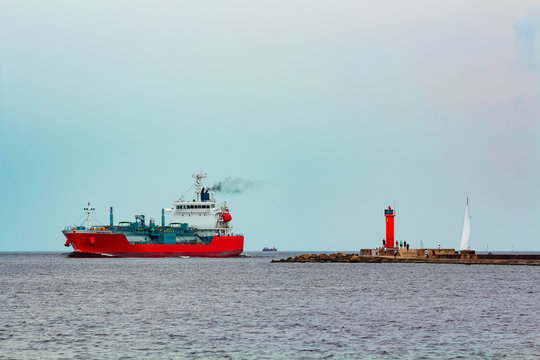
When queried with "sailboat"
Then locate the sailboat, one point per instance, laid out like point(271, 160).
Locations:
point(466, 232)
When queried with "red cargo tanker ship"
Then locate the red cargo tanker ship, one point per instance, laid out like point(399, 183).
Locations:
point(199, 228)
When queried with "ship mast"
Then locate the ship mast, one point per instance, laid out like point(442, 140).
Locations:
point(89, 214)
point(198, 186)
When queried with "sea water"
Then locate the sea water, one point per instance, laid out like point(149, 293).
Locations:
point(54, 306)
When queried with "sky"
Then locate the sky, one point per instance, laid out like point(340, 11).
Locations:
point(335, 109)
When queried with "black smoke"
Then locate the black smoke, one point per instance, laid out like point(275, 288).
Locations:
point(233, 186)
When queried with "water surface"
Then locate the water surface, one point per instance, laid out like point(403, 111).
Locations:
point(248, 308)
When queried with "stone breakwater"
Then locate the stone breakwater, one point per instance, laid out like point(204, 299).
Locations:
point(339, 257)
point(468, 257)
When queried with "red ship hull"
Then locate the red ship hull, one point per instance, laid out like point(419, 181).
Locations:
point(117, 245)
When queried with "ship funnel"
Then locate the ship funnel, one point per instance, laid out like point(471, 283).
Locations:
point(111, 218)
point(204, 195)
point(162, 217)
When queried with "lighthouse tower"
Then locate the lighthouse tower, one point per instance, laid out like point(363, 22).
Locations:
point(389, 214)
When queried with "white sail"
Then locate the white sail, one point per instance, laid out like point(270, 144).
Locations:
point(466, 232)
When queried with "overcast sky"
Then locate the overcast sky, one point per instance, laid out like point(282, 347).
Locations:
point(336, 108)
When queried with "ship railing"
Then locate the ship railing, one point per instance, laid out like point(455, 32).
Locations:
point(75, 227)
point(203, 227)
point(79, 227)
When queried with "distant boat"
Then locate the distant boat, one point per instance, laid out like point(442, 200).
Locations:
point(268, 249)
point(466, 232)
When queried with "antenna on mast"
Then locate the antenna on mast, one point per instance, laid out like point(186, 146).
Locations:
point(89, 214)
point(198, 186)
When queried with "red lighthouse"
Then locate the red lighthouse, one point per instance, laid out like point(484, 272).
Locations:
point(389, 214)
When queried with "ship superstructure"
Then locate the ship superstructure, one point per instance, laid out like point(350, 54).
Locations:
point(202, 212)
point(198, 228)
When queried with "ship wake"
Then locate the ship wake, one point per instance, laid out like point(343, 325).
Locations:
point(79, 254)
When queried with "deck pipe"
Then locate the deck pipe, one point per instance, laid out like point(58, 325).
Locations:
point(162, 217)
point(111, 218)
